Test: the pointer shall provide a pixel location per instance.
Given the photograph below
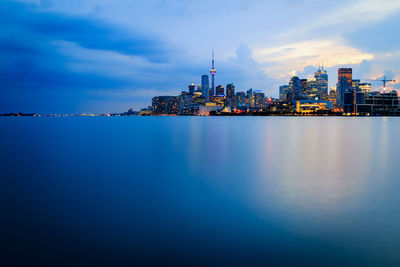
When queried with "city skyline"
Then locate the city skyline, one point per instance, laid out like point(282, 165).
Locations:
point(93, 57)
point(300, 96)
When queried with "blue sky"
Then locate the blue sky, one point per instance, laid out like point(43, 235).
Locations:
point(76, 56)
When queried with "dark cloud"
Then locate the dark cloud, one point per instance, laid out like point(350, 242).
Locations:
point(30, 62)
point(87, 32)
point(52, 62)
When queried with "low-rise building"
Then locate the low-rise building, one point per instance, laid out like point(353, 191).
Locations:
point(377, 103)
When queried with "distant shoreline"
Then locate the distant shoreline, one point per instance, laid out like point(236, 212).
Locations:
point(211, 115)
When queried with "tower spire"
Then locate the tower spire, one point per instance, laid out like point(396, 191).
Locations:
point(212, 72)
point(213, 57)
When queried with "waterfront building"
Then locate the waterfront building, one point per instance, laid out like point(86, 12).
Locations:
point(377, 103)
point(311, 90)
point(208, 107)
point(347, 73)
point(321, 78)
point(284, 93)
point(240, 99)
point(230, 95)
point(218, 100)
point(198, 99)
point(166, 104)
point(351, 99)
point(295, 88)
point(158, 104)
point(259, 98)
point(205, 87)
point(249, 98)
point(186, 102)
point(312, 106)
point(332, 96)
point(219, 90)
point(146, 111)
point(345, 81)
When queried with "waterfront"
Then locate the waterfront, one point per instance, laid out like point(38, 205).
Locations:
point(200, 190)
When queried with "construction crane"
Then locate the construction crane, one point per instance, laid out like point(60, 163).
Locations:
point(384, 80)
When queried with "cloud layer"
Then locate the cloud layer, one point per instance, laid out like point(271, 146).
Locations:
point(108, 56)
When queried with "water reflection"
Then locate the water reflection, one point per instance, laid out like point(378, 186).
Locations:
point(253, 188)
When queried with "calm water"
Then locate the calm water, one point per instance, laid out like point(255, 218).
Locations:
point(200, 191)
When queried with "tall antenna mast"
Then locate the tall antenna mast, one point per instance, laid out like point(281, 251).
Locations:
point(212, 72)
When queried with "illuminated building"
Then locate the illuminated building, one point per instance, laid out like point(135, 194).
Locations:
point(191, 88)
point(188, 103)
point(205, 110)
point(311, 89)
point(295, 88)
point(304, 85)
point(218, 100)
point(284, 93)
point(166, 104)
point(259, 98)
point(219, 91)
point(321, 77)
point(346, 73)
point(365, 87)
point(158, 104)
point(249, 98)
point(230, 95)
point(355, 84)
point(240, 99)
point(205, 86)
point(146, 111)
point(312, 106)
point(198, 98)
point(332, 96)
point(345, 81)
point(377, 103)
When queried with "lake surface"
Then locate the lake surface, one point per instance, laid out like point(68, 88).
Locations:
point(246, 191)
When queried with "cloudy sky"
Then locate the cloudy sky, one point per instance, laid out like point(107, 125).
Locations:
point(76, 56)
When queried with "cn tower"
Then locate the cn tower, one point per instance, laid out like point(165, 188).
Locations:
point(212, 72)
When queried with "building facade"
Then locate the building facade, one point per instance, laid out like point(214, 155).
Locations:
point(205, 86)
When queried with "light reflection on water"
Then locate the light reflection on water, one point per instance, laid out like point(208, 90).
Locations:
point(236, 186)
point(322, 176)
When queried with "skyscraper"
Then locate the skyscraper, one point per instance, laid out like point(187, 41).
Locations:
point(259, 97)
point(166, 104)
point(249, 98)
point(240, 99)
point(230, 94)
point(296, 88)
point(191, 88)
point(219, 91)
point(345, 81)
point(205, 86)
point(347, 73)
point(332, 96)
point(321, 76)
point(212, 72)
point(283, 92)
